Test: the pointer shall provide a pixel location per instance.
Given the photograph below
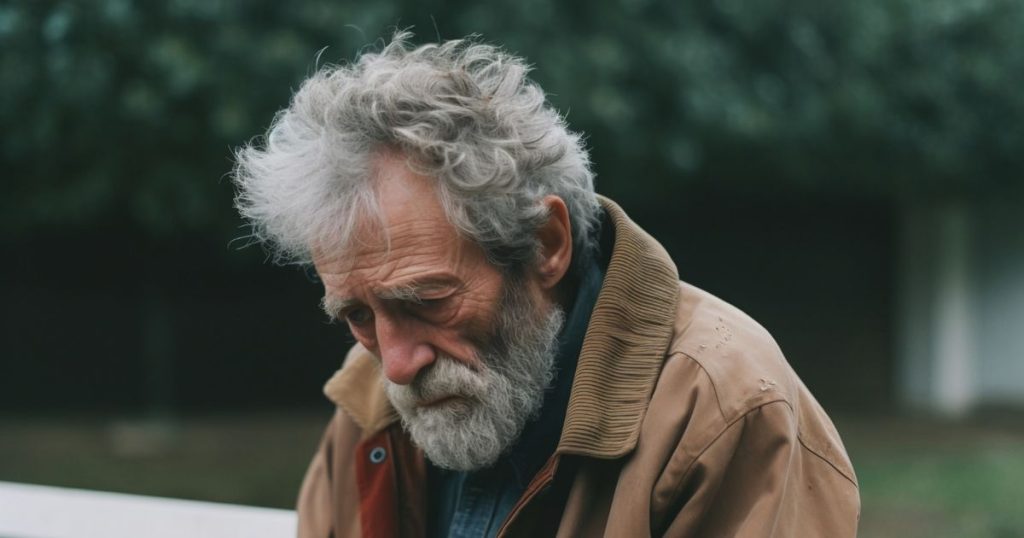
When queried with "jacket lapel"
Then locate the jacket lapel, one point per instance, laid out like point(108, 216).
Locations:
point(358, 388)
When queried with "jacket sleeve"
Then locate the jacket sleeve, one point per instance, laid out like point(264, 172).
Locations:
point(314, 504)
point(756, 478)
point(328, 503)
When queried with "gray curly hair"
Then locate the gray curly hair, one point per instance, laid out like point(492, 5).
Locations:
point(461, 111)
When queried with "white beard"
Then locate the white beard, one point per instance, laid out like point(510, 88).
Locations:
point(492, 404)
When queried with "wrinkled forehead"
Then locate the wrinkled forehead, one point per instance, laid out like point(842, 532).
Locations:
point(402, 219)
point(385, 249)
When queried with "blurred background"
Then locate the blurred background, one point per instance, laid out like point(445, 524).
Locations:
point(847, 172)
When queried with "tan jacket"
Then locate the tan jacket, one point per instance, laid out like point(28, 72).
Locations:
point(684, 420)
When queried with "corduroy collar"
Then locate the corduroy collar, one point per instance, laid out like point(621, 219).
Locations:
point(621, 359)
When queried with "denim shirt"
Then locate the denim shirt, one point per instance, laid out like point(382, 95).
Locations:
point(476, 503)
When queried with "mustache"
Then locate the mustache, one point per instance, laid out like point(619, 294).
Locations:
point(446, 377)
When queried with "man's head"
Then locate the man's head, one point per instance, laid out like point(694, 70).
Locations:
point(466, 348)
point(461, 112)
point(442, 203)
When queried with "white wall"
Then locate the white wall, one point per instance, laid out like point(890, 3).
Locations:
point(961, 300)
point(936, 333)
point(999, 282)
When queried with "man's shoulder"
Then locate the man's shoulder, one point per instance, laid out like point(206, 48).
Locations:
point(729, 368)
point(740, 357)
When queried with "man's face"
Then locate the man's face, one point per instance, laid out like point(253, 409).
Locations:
point(466, 353)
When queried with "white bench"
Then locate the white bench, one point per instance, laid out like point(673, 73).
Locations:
point(28, 511)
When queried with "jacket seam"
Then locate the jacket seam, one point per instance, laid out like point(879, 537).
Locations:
point(842, 473)
point(677, 489)
point(714, 388)
point(718, 401)
point(780, 395)
point(727, 427)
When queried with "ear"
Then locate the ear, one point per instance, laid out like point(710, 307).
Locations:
point(555, 238)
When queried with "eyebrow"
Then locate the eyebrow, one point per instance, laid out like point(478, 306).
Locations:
point(334, 306)
point(411, 292)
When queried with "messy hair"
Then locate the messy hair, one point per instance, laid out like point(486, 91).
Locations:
point(462, 112)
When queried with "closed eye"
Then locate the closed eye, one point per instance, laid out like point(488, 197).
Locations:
point(358, 315)
point(428, 306)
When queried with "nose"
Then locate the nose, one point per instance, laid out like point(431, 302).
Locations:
point(403, 351)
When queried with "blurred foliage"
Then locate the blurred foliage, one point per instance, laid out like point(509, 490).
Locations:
point(114, 109)
point(127, 111)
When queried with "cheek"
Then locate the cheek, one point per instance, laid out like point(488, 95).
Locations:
point(364, 335)
point(478, 332)
point(479, 310)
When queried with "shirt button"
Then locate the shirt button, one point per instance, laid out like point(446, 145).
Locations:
point(378, 454)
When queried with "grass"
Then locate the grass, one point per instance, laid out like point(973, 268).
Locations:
point(918, 478)
point(921, 478)
point(255, 459)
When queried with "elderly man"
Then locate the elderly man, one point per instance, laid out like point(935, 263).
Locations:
point(528, 362)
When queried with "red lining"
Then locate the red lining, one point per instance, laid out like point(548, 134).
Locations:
point(378, 495)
